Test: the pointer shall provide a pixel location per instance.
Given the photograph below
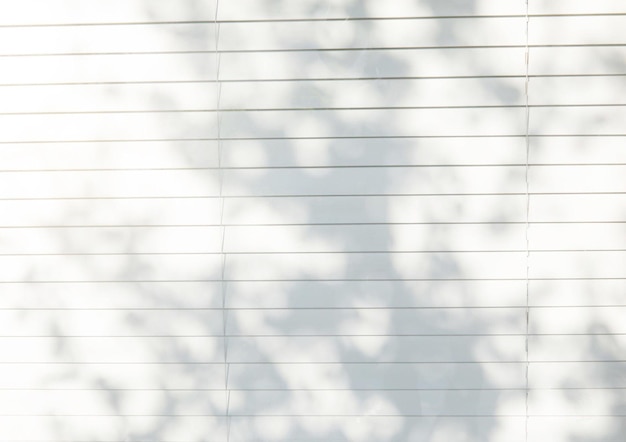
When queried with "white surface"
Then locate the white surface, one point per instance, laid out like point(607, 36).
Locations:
point(372, 285)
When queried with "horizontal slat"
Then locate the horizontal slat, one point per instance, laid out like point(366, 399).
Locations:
point(543, 375)
point(581, 264)
point(372, 63)
point(462, 429)
point(278, 376)
point(102, 212)
point(578, 375)
point(576, 348)
point(113, 376)
point(428, 403)
point(417, 122)
point(373, 93)
point(118, 38)
point(251, 9)
point(292, 349)
point(578, 320)
point(286, 210)
point(577, 236)
point(572, 179)
point(260, 295)
point(373, 238)
point(289, 182)
point(240, 10)
point(112, 240)
point(111, 323)
point(310, 322)
point(357, 322)
point(372, 152)
point(363, 181)
point(472, 265)
point(77, 11)
point(572, 293)
point(605, 428)
point(114, 295)
point(261, 36)
point(572, 208)
point(371, 376)
point(383, 33)
point(575, 7)
point(319, 403)
point(78, 184)
point(278, 428)
point(576, 402)
point(110, 268)
point(119, 350)
point(100, 403)
point(562, 61)
point(111, 428)
point(313, 153)
point(109, 98)
point(286, 153)
point(149, 67)
point(304, 35)
point(377, 209)
point(593, 120)
point(577, 90)
point(260, 211)
point(577, 30)
point(109, 155)
point(267, 65)
point(309, 429)
point(293, 239)
point(578, 150)
point(360, 349)
point(273, 95)
point(19, 128)
point(375, 294)
point(498, 265)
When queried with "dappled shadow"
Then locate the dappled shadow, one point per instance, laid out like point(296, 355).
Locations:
point(354, 269)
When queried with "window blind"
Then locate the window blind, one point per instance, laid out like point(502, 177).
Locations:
point(318, 220)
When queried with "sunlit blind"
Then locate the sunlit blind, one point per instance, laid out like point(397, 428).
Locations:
point(312, 220)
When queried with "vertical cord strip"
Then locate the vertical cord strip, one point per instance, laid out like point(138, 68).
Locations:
point(223, 283)
point(527, 179)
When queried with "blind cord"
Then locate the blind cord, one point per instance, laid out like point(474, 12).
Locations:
point(223, 282)
point(527, 230)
